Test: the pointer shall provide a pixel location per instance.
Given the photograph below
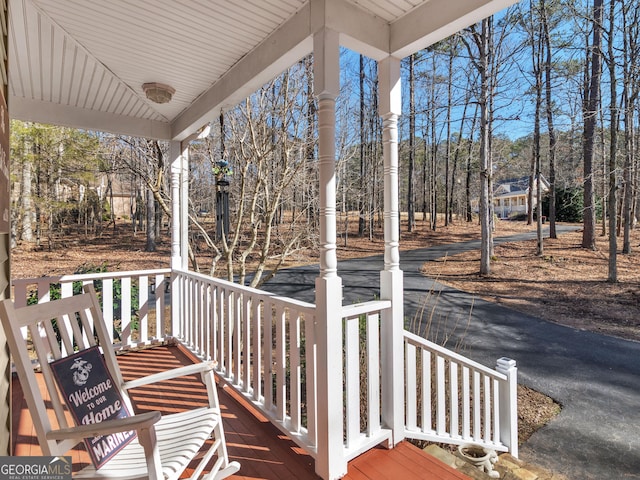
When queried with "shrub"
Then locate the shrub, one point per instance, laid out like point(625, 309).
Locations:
point(569, 204)
point(85, 268)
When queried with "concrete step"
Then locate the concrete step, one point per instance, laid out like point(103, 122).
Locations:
point(507, 466)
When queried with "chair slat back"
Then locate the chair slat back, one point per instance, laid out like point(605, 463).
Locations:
point(75, 322)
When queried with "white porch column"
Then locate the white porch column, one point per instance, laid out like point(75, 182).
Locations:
point(184, 206)
point(330, 462)
point(179, 156)
point(391, 277)
point(175, 156)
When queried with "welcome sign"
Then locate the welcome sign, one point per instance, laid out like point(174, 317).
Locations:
point(92, 397)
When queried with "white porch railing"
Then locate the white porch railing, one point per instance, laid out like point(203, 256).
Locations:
point(505, 211)
point(260, 340)
point(451, 399)
point(362, 375)
point(133, 303)
point(264, 346)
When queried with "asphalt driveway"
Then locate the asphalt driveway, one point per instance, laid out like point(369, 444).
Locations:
point(595, 378)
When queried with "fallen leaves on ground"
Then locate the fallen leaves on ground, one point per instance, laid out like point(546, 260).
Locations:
point(567, 284)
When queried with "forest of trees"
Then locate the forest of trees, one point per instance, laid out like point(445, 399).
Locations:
point(548, 87)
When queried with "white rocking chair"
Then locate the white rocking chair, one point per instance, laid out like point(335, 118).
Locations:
point(164, 446)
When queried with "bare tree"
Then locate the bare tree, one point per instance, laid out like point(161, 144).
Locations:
point(467, 182)
point(363, 162)
point(535, 31)
point(631, 89)
point(432, 144)
point(483, 43)
point(613, 147)
point(456, 157)
point(451, 47)
point(412, 148)
point(267, 151)
point(593, 71)
point(25, 197)
point(548, 80)
point(151, 223)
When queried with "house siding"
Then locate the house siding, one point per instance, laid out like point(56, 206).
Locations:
point(5, 364)
point(5, 243)
point(511, 196)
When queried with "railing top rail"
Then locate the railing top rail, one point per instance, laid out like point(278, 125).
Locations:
point(90, 276)
point(365, 307)
point(422, 342)
point(263, 295)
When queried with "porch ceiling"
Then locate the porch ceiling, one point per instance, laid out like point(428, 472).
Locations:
point(81, 63)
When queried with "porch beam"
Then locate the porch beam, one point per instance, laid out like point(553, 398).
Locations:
point(436, 20)
point(31, 110)
point(360, 31)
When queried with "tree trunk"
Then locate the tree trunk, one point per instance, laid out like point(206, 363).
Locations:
point(550, 122)
point(605, 178)
point(630, 94)
point(532, 175)
point(412, 158)
point(151, 222)
point(39, 193)
point(613, 109)
point(467, 182)
point(425, 175)
point(592, 100)
point(363, 182)
point(534, 179)
point(447, 158)
point(25, 200)
point(456, 158)
point(433, 176)
point(433, 182)
point(158, 221)
point(485, 163)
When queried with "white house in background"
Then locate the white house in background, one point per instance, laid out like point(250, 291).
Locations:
point(511, 197)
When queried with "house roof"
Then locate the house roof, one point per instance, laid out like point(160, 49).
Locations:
point(82, 63)
point(517, 186)
point(512, 186)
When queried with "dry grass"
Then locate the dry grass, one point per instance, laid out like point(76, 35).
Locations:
point(566, 285)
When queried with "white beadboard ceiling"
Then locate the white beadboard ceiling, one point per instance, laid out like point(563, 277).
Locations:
point(82, 63)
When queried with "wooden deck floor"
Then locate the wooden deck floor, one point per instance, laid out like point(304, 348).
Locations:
point(262, 450)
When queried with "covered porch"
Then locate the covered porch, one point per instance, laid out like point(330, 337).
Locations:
point(263, 451)
point(266, 349)
point(337, 380)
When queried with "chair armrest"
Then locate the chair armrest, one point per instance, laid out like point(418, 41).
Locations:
point(169, 374)
point(135, 422)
